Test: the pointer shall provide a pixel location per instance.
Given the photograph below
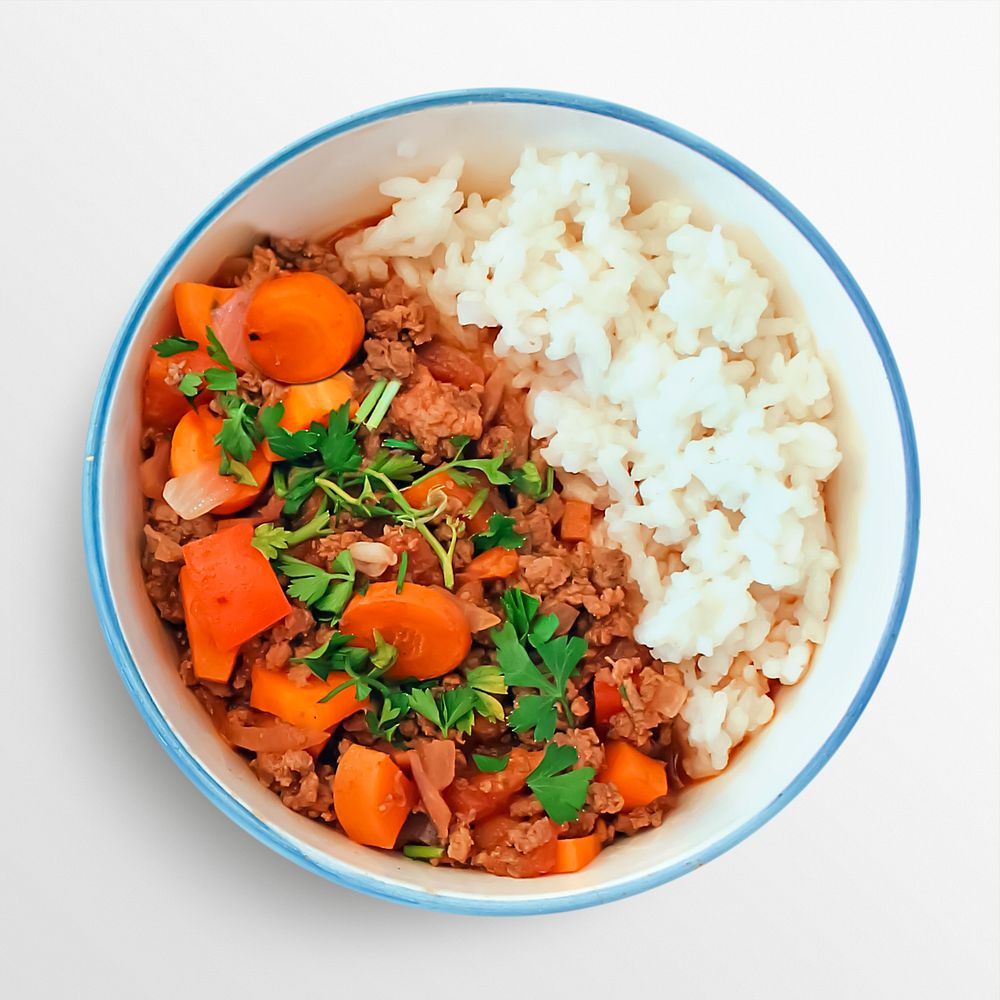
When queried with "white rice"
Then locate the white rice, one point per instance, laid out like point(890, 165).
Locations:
point(672, 396)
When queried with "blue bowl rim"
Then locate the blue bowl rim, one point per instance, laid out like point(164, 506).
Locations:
point(344, 874)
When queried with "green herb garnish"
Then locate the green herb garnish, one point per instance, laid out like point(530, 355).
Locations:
point(560, 658)
point(326, 593)
point(421, 852)
point(190, 384)
point(561, 791)
point(490, 765)
point(174, 345)
point(499, 535)
point(528, 480)
point(401, 575)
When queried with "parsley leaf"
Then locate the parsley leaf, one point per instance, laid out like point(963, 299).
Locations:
point(403, 445)
point(500, 535)
point(294, 488)
point(190, 384)
point(384, 723)
point(220, 379)
point(270, 538)
point(528, 480)
point(327, 593)
point(400, 468)
point(337, 445)
point(174, 345)
point(334, 655)
point(490, 765)
point(217, 352)
point(561, 792)
point(560, 657)
point(422, 702)
point(238, 435)
point(286, 444)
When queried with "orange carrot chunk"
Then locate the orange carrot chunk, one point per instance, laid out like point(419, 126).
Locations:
point(302, 327)
point(194, 304)
point(371, 797)
point(426, 625)
point(210, 661)
point(302, 705)
point(193, 445)
point(576, 853)
point(639, 779)
point(237, 593)
point(162, 404)
point(607, 702)
point(575, 523)
point(314, 401)
point(493, 564)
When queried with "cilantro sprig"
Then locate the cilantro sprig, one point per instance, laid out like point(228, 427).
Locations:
point(170, 346)
point(500, 534)
point(327, 593)
point(525, 632)
point(559, 787)
point(456, 708)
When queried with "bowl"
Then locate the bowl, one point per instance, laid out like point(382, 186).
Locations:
point(330, 178)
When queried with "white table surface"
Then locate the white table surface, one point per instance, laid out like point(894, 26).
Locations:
point(119, 123)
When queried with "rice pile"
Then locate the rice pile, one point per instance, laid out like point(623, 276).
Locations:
point(672, 397)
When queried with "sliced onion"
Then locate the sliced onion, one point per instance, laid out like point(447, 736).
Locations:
point(433, 768)
point(155, 471)
point(372, 558)
point(277, 738)
point(479, 619)
point(493, 392)
point(199, 491)
point(228, 322)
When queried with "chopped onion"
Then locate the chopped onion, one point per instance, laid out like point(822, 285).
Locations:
point(228, 322)
point(478, 618)
point(199, 491)
point(277, 738)
point(372, 558)
point(493, 392)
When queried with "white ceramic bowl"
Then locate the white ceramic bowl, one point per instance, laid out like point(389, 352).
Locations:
point(330, 178)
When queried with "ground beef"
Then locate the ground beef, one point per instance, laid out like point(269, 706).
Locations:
point(639, 819)
point(653, 698)
point(389, 359)
point(431, 412)
point(588, 746)
point(293, 776)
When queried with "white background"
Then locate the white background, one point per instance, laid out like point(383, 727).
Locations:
point(119, 123)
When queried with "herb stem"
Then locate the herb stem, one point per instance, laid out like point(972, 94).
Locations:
point(369, 402)
point(313, 529)
point(384, 402)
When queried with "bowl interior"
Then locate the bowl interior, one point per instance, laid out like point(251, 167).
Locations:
point(315, 188)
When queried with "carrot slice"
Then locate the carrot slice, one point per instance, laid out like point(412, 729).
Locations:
point(302, 327)
point(426, 625)
point(192, 445)
point(237, 593)
point(575, 523)
point(418, 495)
point(371, 797)
point(210, 661)
point(607, 702)
point(314, 401)
point(275, 692)
point(493, 564)
point(576, 853)
point(639, 779)
point(163, 405)
point(194, 304)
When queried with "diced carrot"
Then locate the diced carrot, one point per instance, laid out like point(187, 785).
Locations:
point(575, 853)
point(194, 304)
point(237, 591)
point(418, 495)
point(371, 797)
point(493, 564)
point(639, 779)
point(210, 661)
point(302, 327)
point(192, 445)
point(163, 405)
point(607, 702)
point(575, 523)
point(426, 625)
point(275, 692)
point(313, 401)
